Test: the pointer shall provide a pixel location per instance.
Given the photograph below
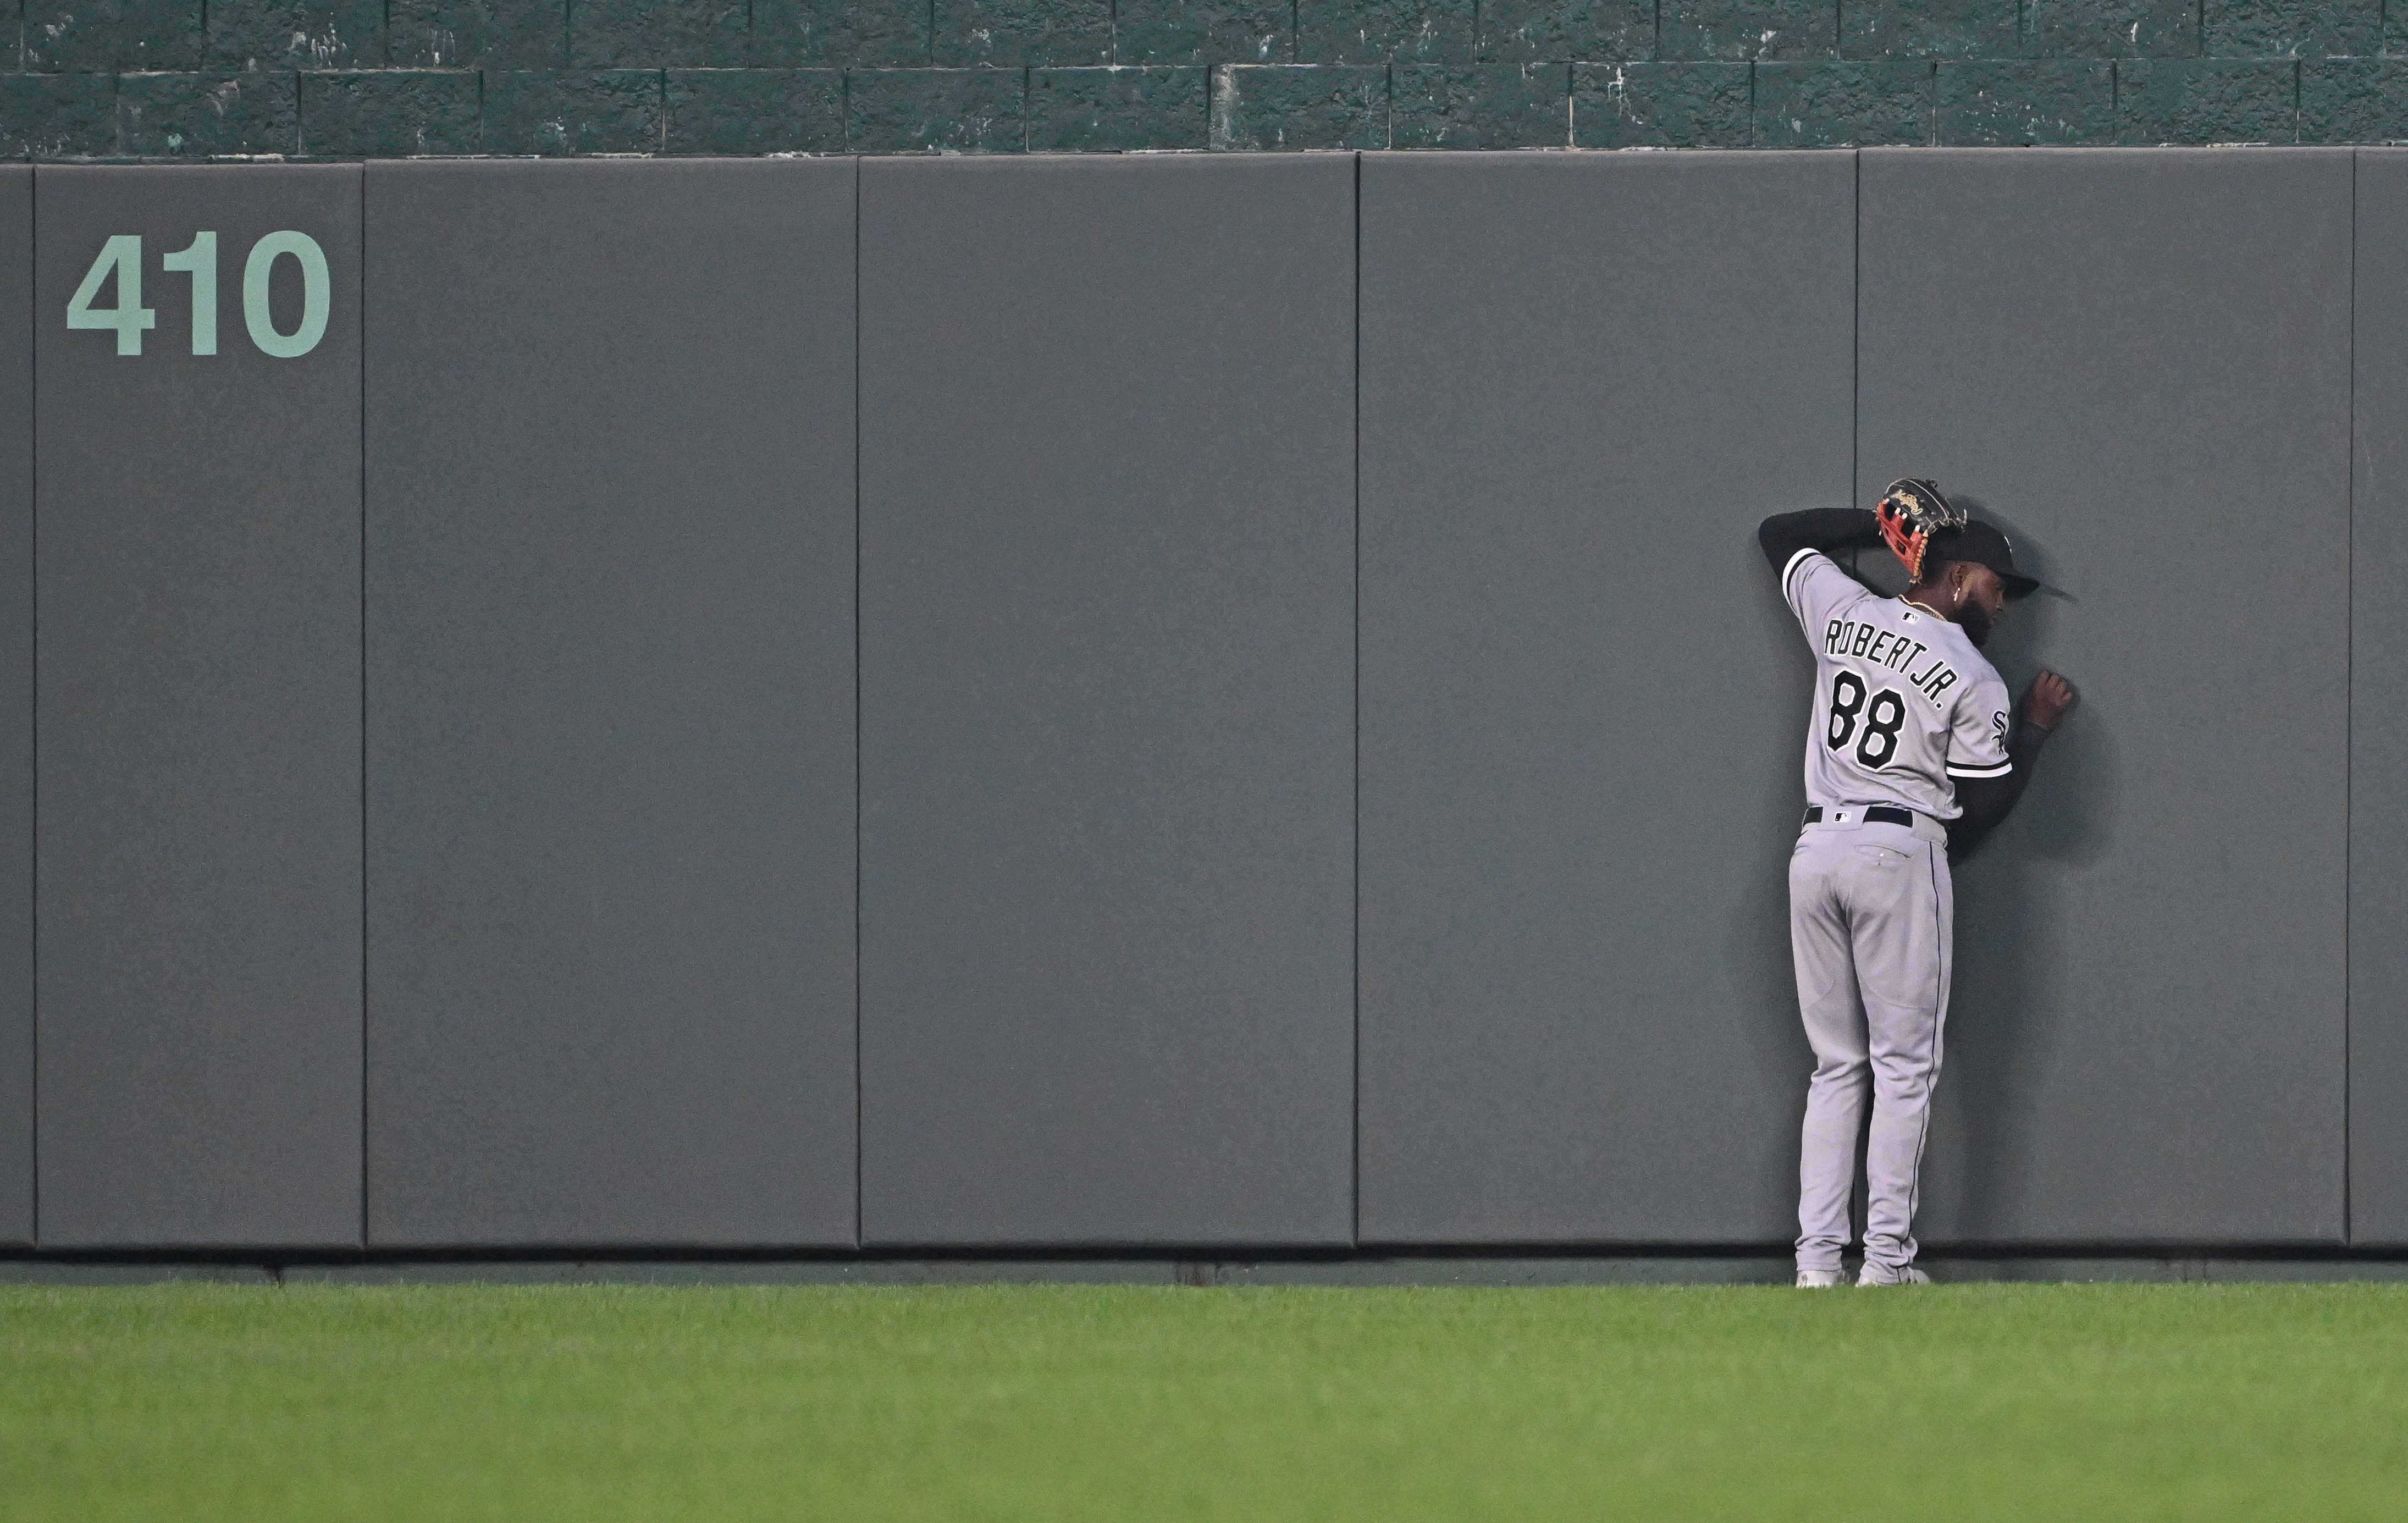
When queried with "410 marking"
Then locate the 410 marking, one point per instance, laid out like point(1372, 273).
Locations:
point(121, 256)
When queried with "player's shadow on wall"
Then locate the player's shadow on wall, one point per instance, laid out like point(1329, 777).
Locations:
point(2008, 1007)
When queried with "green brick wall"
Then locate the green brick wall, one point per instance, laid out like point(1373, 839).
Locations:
point(357, 79)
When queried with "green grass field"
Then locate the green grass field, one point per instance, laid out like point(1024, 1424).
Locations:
point(1127, 1404)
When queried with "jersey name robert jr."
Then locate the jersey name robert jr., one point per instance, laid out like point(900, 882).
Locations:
point(1896, 652)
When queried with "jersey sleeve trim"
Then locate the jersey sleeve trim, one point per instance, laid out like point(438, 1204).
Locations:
point(1790, 570)
point(2001, 770)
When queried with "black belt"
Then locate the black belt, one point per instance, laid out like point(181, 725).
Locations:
point(1875, 815)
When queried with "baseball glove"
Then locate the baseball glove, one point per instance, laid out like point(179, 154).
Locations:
point(1909, 512)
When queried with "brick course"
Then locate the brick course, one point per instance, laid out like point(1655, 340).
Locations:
point(174, 79)
point(749, 111)
point(2063, 102)
point(1102, 110)
point(1851, 104)
point(477, 34)
point(1645, 105)
point(389, 113)
point(1324, 106)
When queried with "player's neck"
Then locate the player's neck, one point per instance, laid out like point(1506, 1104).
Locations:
point(1929, 601)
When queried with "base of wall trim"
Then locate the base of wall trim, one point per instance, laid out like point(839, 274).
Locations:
point(1353, 1270)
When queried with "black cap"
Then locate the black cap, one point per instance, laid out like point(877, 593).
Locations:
point(1983, 545)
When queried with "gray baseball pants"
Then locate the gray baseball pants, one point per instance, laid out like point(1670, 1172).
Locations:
point(1871, 917)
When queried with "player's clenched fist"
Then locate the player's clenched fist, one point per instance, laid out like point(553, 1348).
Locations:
point(2048, 700)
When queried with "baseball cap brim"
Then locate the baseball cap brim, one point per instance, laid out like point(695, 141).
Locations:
point(1984, 544)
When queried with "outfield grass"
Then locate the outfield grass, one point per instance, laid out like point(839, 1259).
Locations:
point(1129, 1404)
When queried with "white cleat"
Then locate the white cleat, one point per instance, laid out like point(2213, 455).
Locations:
point(1819, 1279)
point(1909, 1275)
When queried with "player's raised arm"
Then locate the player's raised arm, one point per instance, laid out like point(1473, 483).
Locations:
point(1826, 529)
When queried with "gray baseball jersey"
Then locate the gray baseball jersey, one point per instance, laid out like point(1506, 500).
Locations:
point(1903, 702)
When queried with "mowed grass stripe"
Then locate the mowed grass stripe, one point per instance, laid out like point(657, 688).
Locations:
point(1126, 1403)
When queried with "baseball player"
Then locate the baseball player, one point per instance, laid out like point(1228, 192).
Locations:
point(1911, 754)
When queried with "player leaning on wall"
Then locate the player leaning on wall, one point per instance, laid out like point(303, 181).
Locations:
point(1909, 754)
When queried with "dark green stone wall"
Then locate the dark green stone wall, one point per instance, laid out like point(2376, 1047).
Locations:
point(354, 79)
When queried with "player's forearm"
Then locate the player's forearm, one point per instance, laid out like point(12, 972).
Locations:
point(1988, 801)
point(1826, 529)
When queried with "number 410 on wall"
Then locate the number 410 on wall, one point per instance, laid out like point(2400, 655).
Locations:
point(122, 255)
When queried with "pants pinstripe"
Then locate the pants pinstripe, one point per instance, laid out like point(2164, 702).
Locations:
point(1870, 920)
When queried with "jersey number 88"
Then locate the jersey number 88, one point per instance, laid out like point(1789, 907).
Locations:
point(1882, 717)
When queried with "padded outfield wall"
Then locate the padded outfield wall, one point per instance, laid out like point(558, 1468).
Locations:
point(1213, 702)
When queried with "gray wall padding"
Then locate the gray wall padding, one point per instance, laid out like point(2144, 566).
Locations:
point(611, 712)
point(1107, 700)
point(593, 468)
point(2138, 363)
point(16, 707)
point(1583, 378)
point(198, 570)
point(2378, 733)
